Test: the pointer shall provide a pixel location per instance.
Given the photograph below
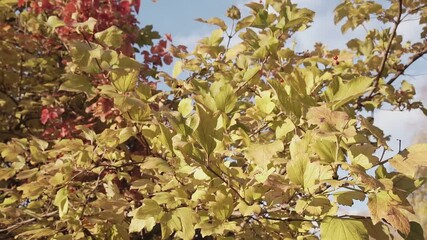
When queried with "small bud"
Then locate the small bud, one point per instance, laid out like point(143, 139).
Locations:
point(233, 12)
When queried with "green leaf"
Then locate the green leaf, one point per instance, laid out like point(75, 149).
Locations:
point(214, 21)
point(188, 219)
point(185, 107)
point(156, 163)
point(264, 102)
point(377, 231)
point(262, 154)
point(40, 233)
point(214, 40)
point(314, 174)
point(410, 160)
point(135, 109)
point(166, 138)
point(6, 173)
point(205, 131)
point(245, 22)
point(125, 81)
point(286, 127)
point(233, 12)
point(149, 208)
point(169, 224)
point(125, 134)
point(290, 105)
point(61, 201)
point(383, 206)
point(222, 207)
point(415, 233)
point(251, 73)
point(8, 2)
point(27, 173)
point(347, 198)
point(299, 160)
point(77, 83)
point(326, 119)
point(177, 69)
point(136, 225)
point(363, 155)
point(54, 22)
point(234, 51)
point(224, 96)
point(328, 151)
point(376, 132)
point(350, 91)
point(88, 25)
point(348, 229)
point(112, 37)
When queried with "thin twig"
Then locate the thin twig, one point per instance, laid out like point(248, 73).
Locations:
point(230, 36)
point(20, 224)
point(226, 182)
point(412, 11)
point(290, 219)
point(90, 45)
point(91, 192)
point(388, 49)
point(245, 83)
point(402, 71)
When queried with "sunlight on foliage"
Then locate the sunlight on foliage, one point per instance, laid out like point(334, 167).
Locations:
point(258, 142)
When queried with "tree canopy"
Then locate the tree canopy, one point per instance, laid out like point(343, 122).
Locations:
point(252, 140)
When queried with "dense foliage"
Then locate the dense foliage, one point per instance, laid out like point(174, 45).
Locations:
point(259, 141)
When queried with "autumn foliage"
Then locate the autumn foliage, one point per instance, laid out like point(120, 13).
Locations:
point(258, 141)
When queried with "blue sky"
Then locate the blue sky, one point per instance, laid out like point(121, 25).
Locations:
point(176, 17)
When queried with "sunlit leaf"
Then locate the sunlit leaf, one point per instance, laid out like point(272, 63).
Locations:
point(111, 37)
point(335, 228)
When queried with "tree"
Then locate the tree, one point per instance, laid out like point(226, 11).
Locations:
point(260, 141)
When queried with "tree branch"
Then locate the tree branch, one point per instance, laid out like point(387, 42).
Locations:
point(402, 71)
point(388, 48)
point(226, 182)
point(290, 219)
point(10, 97)
point(20, 224)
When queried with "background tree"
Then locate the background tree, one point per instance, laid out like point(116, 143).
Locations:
point(260, 141)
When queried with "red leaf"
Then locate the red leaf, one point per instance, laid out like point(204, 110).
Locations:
point(95, 4)
point(64, 131)
point(137, 5)
point(69, 9)
point(168, 37)
point(162, 44)
point(182, 48)
point(53, 115)
point(44, 116)
point(167, 59)
point(21, 3)
point(124, 7)
point(46, 4)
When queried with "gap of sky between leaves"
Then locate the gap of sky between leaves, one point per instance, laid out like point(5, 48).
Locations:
point(177, 17)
